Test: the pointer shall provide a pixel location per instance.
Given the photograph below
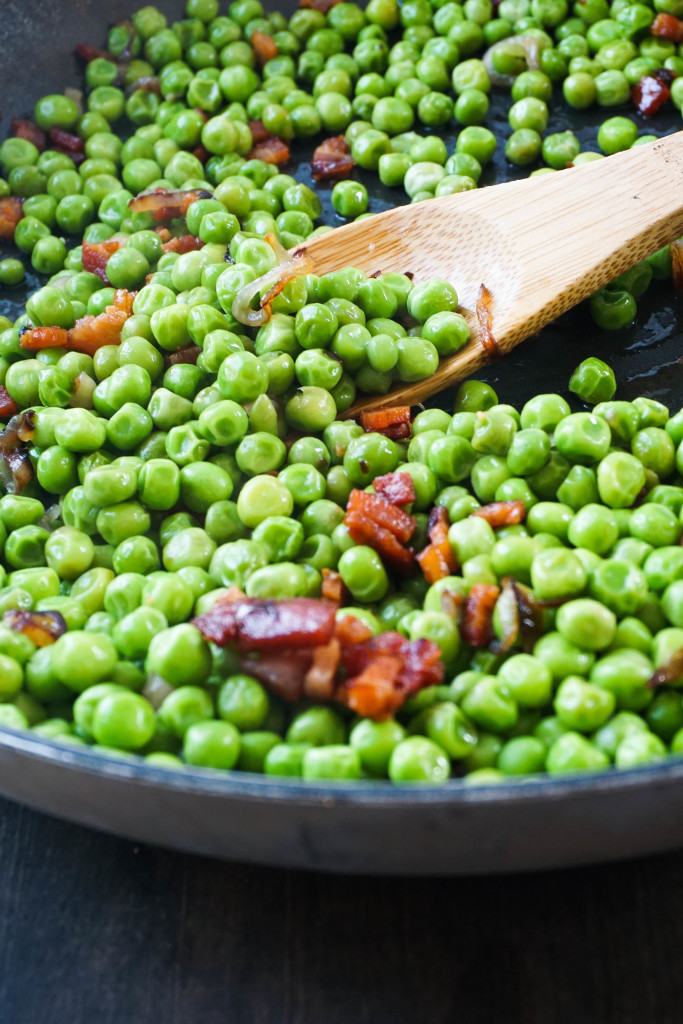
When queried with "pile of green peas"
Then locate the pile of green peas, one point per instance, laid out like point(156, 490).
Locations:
point(156, 488)
point(599, 547)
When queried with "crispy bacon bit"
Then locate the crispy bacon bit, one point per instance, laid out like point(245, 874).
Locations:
point(23, 128)
point(38, 338)
point(332, 159)
point(283, 673)
point(477, 628)
point(92, 332)
point(372, 520)
point(96, 256)
point(385, 669)
point(123, 301)
point(185, 243)
point(677, 265)
point(350, 630)
point(10, 215)
point(87, 52)
point(272, 151)
point(502, 513)
point(438, 559)
point(484, 319)
point(396, 488)
point(319, 681)
point(669, 673)
point(8, 407)
point(265, 625)
point(189, 354)
point(42, 628)
point(365, 531)
point(333, 588)
point(319, 5)
point(264, 47)
point(667, 27)
point(66, 141)
point(167, 205)
point(386, 420)
point(163, 233)
point(201, 153)
point(652, 91)
point(382, 512)
point(15, 465)
point(259, 132)
point(374, 692)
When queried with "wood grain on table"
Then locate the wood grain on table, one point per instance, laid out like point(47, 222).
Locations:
point(97, 930)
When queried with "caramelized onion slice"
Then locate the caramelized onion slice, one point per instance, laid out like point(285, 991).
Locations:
point(272, 282)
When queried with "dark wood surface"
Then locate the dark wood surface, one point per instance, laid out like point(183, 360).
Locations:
point(98, 930)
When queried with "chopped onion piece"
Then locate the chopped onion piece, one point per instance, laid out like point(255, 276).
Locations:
point(528, 47)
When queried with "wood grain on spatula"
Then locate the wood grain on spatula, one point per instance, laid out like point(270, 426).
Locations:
point(539, 246)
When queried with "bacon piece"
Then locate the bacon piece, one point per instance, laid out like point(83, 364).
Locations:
point(396, 488)
point(669, 673)
point(185, 243)
point(123, 301)
point(484, 319)
point(189, 354)
point(320, 679)
point(283, 674)
point(677, 265)
point(271, 150)
point(319, 5)
point(201, 153)
point(167, 205)
point(96, 256)
point(333, 588)
point(15, 465)
point(502, 513)
point(8, 407)
point(92, 332)
point(23, 128)
point(350, 630)
point(667, 27)
point(264, 47)
point(65, 141)
point(652, 91)
point(374, 692)
point(257, 624)
point(433, 564)
point(10, 215)
point(404, 666)
point(382, 512)
point(438, 559)
point(44, 337)
point(378, 420)
point(332, 159)
point(476, 628)
point(163, 233)
point(87, 52)
point(42, 628)
point(259, 132)
point(383, 541)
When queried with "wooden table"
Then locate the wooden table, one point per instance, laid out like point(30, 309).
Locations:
point(98, 930)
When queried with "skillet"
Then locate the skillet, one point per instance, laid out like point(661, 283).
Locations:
point(364, 827)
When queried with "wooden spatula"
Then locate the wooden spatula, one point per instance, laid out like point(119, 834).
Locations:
point(538, 246)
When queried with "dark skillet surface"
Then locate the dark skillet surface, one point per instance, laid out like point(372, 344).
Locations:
point(36, 46)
